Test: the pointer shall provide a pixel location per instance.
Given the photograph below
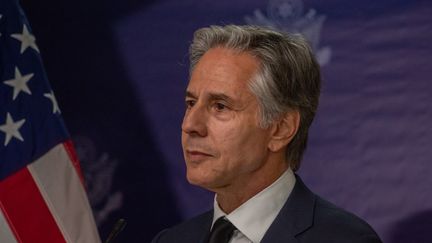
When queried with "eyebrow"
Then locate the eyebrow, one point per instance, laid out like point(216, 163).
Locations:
point(212, 96)
point(190, 94)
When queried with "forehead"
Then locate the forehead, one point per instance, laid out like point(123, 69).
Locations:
point(224, 71)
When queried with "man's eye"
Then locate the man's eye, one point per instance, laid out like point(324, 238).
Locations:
point(220, 106)
point(189, 103)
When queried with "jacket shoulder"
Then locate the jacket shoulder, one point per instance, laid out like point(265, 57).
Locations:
point(338, 225)
point(192, 230)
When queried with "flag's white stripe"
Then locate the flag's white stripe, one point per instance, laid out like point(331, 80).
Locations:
point(6, 235)
point(64, 194)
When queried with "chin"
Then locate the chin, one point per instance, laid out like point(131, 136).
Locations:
point(197, 180)
point(200, 180)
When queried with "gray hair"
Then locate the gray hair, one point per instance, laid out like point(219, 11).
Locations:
point(288, 79)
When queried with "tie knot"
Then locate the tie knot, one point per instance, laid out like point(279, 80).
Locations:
point(222, 231)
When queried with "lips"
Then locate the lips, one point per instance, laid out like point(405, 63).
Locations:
point(196, 156)
point(195, 152)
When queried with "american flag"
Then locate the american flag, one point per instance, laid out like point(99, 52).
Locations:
point(42, 197)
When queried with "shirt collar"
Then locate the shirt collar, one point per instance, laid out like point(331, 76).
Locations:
point(254, 217)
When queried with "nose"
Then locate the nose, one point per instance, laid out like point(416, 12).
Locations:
point(195, 121)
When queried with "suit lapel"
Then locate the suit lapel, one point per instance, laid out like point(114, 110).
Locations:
point(203, 230)
point(295, 217)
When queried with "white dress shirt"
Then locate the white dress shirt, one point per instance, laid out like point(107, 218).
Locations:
point(253, 218)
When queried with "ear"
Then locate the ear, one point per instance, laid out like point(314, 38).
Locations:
point(284, 130)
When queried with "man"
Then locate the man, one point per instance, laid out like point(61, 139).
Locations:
point(252, 95)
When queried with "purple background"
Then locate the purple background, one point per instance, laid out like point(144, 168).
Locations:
point(120, 68)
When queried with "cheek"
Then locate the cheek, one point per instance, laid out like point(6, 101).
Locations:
point(242, 144)
point(229, 137)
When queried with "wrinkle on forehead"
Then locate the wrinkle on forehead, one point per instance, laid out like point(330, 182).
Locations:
point(223, 71)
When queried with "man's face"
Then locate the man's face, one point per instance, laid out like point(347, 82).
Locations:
point(223, 143)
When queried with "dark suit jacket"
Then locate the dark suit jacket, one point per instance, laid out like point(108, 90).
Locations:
point(305, 218)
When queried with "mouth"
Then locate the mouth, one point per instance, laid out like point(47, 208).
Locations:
point(197, 156)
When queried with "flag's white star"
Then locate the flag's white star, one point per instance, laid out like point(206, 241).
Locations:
point(11, 129)
point(27, 40)
point(53, 101)
point(19, 83)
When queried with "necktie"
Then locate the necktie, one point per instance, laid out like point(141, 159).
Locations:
point(222, 231)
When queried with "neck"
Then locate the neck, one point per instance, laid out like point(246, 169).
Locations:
point(232, 196)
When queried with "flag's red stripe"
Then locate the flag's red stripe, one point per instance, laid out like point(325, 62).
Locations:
point(26, 211)
point(68, 145)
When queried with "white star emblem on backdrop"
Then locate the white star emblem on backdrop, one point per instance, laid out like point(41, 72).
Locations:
point(11, 129)
point(51, 96)
point(19, 83)
point(27, 40)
